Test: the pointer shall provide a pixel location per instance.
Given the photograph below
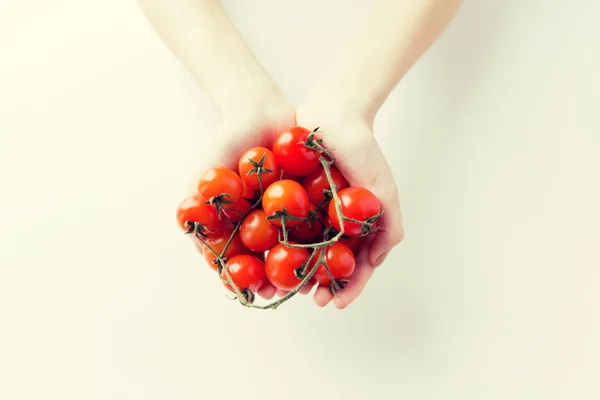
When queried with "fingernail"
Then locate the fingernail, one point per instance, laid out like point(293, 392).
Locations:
point(380, 259)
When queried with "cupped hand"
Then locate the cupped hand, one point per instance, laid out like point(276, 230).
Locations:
point(243, 129)
point(360, 159)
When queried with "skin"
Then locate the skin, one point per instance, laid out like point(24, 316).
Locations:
point(344, 103)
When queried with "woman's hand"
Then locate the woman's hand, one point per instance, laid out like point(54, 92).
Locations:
point(344, 105)
point(359, 157)
point(345, 102)
point(252, 126)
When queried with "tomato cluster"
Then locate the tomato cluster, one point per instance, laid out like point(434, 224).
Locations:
point(255, 227)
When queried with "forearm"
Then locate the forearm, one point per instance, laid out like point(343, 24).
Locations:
point(396, 34)
point(201, 35)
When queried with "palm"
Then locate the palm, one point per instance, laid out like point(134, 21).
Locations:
point(359, 157)
point(241, 133)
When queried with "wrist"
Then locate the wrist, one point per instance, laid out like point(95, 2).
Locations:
point(343, 98)
point(255, 97)
point(332, 103)
point(260, 112)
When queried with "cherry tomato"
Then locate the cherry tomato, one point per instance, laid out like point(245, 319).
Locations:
point(311, 229)
point(292, 155)
point(286, 195)
point(242, 206)
point(259, 255)
point(195, 210)
point(226, 224)
point(357, 203)
point(221, 183)
point(327, 221)
point(218, 242)
point(258, 159)
point(257, 233)
point(281, 263)
point(315, 183)
point(353, 242)
point(286, 175)
point(340, 260)
point(247, 272)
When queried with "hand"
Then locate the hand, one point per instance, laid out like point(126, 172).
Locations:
point(359, 157)
point(246, 128)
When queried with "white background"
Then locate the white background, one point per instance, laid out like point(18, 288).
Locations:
point(494, 141)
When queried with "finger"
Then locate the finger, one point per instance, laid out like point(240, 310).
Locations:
point(281, 293)
point(359, 279)
point(352, 155)
point(197, 244)
point(380, 180)
point(306, 288)
point(267, 291)
point(361, 276)
point(391, 231)
point(322, 296)
point(239, 138)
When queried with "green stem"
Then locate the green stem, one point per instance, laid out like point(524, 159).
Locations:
point(315, 246)
point(293, 292)
point(229, 280)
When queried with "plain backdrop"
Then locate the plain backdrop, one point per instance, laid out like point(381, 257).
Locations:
point(494, 141)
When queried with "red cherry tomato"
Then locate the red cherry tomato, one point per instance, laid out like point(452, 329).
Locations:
point(218, 242)
point(311, 229)
point(357, 203)
point(292, 155)
point(250, 164)
point(247, 272)
point(291, 177)
point(242, 206)
point(195, 210)
point(257, 233)
point(315, 183)
point(286, 195)
point(220, 182)
point(353, 242)
point(340, 260)
point(259, 255)
point(281, 263)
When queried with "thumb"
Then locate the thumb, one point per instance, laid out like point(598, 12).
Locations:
point(367, 167)
point(390, 234)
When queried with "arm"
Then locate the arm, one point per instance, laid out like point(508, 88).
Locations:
point(346, 100)
point(253, 108)
point(201, 35)
point(396, 34)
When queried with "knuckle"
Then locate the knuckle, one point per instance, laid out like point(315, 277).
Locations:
point(340, 305)
point(388, 191)
point(397, 236)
